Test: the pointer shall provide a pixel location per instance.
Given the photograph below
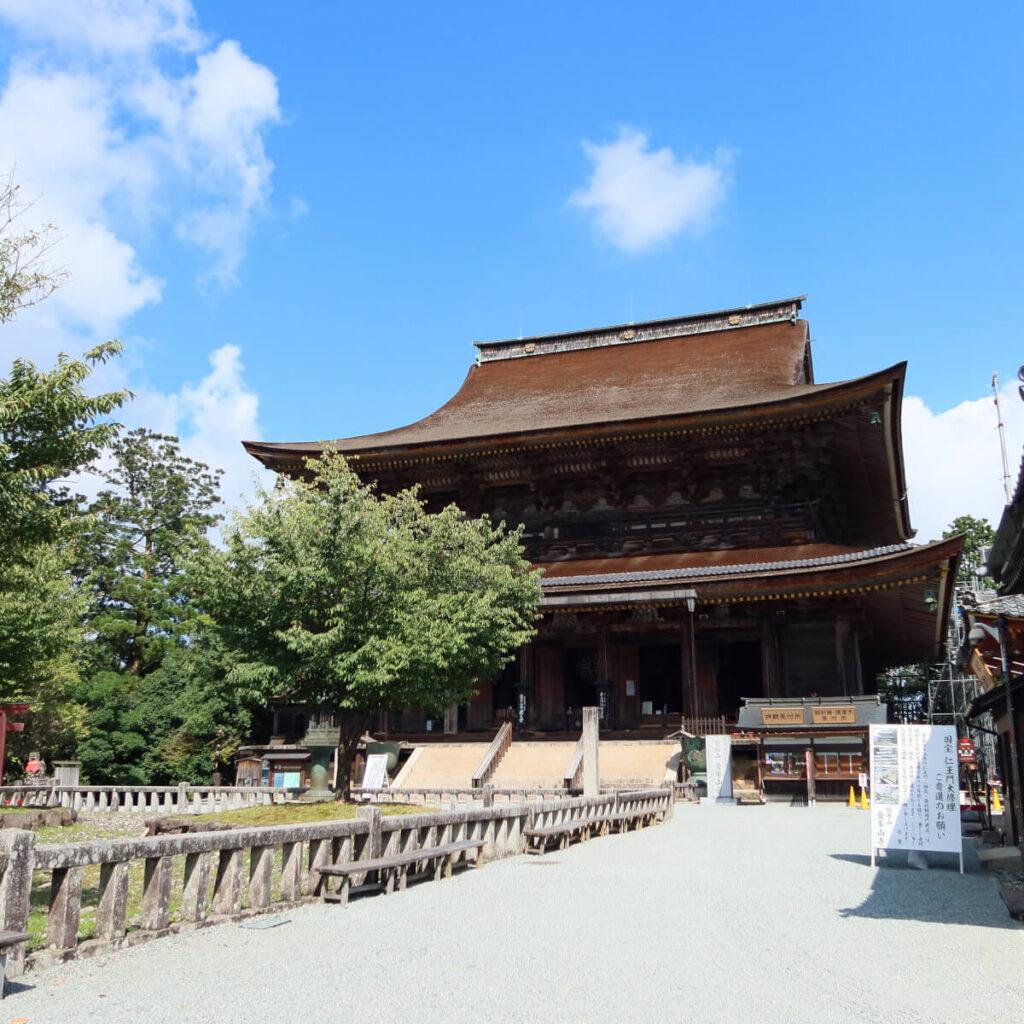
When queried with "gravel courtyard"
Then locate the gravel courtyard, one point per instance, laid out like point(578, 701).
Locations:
point(722, 914)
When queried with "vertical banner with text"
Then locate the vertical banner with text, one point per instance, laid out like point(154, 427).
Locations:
point(915, 788)
point(718, 751)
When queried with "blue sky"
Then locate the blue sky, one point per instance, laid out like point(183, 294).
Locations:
point(347, 195)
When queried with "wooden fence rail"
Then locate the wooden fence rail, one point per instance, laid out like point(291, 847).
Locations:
point(201, 878)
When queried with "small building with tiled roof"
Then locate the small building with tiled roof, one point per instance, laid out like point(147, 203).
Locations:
point(713, 524)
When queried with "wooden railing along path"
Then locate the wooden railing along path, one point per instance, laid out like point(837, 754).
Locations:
point(219, 876)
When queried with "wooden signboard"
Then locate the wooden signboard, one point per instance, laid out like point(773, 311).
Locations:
point(834, 716)
point(782, 716)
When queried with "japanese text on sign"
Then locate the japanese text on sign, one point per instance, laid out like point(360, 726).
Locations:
point(915, 790)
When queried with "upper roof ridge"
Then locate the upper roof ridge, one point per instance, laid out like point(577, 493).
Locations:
point(647, 330)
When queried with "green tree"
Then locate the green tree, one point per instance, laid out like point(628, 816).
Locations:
point(50, 428)
point(140, 534)
point(978, 534)
point(344, 600)
point(157, 694)
point(166, 726)
point(25, 276)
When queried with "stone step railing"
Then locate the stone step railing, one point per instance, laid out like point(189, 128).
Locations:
point(181, 799)
point(206, 877)
point(574, 771)
point(495, 751)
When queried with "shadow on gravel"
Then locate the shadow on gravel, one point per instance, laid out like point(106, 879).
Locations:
point(940, 895)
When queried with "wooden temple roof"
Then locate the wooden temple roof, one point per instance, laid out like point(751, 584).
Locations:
point(1006, 559)
point(704, 375)
point(905, 590)
point(754, 357)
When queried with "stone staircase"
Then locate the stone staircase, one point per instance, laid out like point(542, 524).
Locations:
point(438, 765)
point(539, 765)
point(533, 765)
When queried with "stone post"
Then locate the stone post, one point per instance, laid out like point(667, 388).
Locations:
point(374, 839)
point(488, 795)
point(182, 797)
point(451, 720)
point(591, 775)
point(18, 845)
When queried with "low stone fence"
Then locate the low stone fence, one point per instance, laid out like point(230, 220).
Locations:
point(203, 878)
point(180, 799)
point(484, 796)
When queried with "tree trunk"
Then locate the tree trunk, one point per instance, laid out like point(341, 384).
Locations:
point(353, 725)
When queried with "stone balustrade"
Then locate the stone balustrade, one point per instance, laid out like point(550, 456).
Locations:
point(181, 799)
point(486, 796)
point(201, 878)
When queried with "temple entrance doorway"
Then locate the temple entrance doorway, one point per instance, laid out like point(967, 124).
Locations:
point(739, 674)
point(579, 678)
point(661, 680)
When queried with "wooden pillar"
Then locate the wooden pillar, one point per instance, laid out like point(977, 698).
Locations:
point(770, 681)
point(688, 654)
point(842, 646)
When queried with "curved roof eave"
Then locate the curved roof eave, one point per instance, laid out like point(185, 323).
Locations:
point(376, 445)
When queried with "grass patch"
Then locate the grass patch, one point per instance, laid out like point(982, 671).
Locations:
point(298, 814)
point(122, 826)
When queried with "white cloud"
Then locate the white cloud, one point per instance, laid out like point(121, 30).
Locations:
point(106, 26)
point(211, 417)
point(639, 196)
point(120, 114)
point(123, 122)
point(953, 462)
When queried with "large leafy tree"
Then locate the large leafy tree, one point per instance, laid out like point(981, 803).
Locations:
point(140, 534)
point(334, 596)
point(978, 534)
point(50, 428)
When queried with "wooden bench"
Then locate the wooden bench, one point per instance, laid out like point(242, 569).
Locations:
point(394, 869)
point(580, 829)
point(565, 832)
point(8, 939)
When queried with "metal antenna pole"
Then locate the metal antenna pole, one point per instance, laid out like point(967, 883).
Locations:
point(1002, 436)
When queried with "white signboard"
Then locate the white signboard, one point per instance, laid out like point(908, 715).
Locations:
point(375, 776)
point(718, 751)
point(915, 789)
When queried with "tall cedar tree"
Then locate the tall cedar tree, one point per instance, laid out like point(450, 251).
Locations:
point(140, 534)
point(159, 703)
point(336, 597)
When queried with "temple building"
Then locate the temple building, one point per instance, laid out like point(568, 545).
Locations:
point(713, 524)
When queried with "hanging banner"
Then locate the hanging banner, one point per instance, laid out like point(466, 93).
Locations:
point(915, 789)
point(718, 751)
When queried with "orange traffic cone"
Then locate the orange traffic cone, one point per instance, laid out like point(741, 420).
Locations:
point(863, 799)
point(852, 802)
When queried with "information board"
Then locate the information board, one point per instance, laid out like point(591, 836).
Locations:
point(375, 776)
point(718, 751)
point(915, 789)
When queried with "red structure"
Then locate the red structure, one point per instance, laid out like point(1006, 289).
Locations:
point(7, 724)
point(713, 524)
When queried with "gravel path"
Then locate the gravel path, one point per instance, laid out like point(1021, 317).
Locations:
point(721, 915)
